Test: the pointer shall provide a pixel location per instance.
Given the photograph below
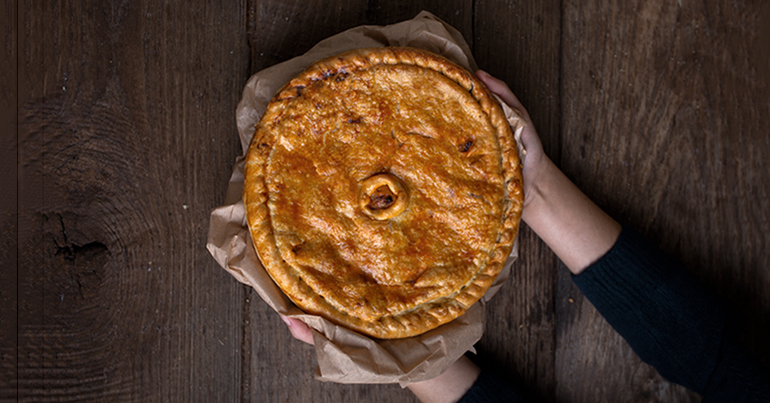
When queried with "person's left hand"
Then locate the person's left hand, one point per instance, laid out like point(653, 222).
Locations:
point(299, 329)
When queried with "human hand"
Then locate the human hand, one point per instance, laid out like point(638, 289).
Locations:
point(536, 160)
point(299, 330)
point(575, 228)
point(448, 387)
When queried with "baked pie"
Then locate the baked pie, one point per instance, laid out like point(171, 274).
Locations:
point(383, 190)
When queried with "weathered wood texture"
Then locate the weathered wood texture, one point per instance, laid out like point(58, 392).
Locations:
point(519, 42)
point(665, 124)
point(280, 30)
point(8, 201)
point(121, 139)
point(126, 132)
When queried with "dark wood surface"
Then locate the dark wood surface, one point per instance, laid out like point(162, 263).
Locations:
point(119, 136)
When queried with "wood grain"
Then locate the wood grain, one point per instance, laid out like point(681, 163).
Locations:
point(519, 42)
point(666, 107)
point(8, 202)
point(457, 13)
point(121, 137)
point(280, 30)
point(126, 139)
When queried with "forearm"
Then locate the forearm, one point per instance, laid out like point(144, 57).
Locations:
point(653, 302)
point(575, 228)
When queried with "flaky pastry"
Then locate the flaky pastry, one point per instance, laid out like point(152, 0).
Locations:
point(383, 190)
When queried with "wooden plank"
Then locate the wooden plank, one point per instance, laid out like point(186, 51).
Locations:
point(277, 367)
point(126, 142)
point(8, 206)
point(280, 30)
point(665, 110)
point(282, 368)
point(519, 42)
point(457, 13)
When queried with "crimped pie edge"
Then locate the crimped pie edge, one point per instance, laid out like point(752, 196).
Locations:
point(421, 318)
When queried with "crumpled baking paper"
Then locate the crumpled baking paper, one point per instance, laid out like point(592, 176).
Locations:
point(346, 356)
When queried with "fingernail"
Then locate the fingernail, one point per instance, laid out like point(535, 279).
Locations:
point(483, 73)
point(286, 320)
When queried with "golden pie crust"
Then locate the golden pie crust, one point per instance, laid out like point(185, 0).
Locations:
point(383, 190)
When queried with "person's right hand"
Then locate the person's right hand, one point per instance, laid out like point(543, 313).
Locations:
point(575, 228)
point(536, 157)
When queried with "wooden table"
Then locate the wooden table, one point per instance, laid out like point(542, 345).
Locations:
point(119, 136)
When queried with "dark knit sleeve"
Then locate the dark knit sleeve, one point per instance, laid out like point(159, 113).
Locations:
point(491, 388)
point(671, 321)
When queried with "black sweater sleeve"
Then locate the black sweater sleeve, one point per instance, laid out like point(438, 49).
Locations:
point(671, 321)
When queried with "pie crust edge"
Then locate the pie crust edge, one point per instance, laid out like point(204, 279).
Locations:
point(421, 318)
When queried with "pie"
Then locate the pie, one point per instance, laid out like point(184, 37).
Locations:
point(383, 190)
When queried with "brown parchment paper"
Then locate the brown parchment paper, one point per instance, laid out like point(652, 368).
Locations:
point(344, 355)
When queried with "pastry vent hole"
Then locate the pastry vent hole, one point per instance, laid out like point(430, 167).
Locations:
point(382, 198)
point(464, 147)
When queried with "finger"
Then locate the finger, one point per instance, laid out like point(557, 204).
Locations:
point(501, 89)
point(529, 138)
point(498, 87)
point(299, 330)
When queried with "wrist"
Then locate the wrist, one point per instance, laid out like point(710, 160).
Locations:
point(575, 228)
point(538, 175)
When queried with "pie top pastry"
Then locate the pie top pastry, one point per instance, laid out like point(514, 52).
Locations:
point(383, 190)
